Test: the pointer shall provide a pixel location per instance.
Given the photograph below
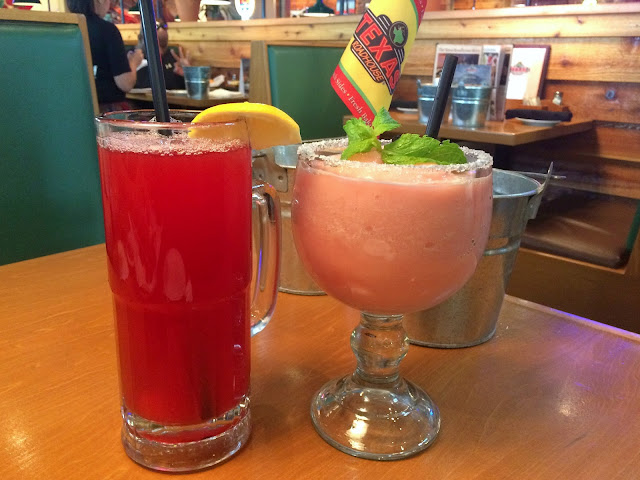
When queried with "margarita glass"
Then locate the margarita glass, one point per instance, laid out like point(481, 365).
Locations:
point(387, 240)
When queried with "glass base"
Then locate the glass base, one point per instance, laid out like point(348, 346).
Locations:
point(173, 448)
point(377, 422)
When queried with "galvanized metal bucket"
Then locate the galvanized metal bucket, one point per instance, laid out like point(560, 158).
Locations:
point(277, 166)
point(469, 106)
point(471, 315)
point(426, 99)
point(196, 81)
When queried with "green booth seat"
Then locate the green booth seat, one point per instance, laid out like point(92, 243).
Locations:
point(50, 197)
point(296, 79)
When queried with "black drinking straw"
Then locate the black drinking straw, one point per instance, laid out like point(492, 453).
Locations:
point(442, 94)
point(158, 88)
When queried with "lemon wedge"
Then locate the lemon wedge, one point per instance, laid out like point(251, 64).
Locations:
point(268, 126)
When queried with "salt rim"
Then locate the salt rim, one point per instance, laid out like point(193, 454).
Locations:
point(153, 142)
point(307, 151)
point(149, 123)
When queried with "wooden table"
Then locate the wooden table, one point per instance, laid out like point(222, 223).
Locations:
point(509, 132)
point(551, 396)
point(183, 101)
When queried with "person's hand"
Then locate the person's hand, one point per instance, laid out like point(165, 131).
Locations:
point(135, 58)
point(182, 60)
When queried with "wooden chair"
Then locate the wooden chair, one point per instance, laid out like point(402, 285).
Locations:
point(295, 78)
point(50, 197)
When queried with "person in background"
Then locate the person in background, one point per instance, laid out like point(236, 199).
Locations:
point(169, 10)
point(187, 10)
point(115, 14)
point(172, 63)
point(114, 69)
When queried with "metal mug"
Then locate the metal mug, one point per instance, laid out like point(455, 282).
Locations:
point(277, 166)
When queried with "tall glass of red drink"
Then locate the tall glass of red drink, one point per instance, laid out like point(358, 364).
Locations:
point(177, 201)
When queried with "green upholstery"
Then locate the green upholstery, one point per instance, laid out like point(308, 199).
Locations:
point(49, 178)
point(299, 78)
point(633, 231)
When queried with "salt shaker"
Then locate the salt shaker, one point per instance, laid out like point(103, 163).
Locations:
point(557, 98)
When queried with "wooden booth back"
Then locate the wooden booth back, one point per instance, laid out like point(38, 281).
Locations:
point(295, 78)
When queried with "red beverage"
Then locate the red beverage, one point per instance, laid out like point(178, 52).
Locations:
point(178, 234)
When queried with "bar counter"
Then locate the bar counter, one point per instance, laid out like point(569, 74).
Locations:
point(551, 396)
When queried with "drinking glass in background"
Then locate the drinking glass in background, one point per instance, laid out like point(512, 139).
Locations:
point(386, 240)
point(177, 203)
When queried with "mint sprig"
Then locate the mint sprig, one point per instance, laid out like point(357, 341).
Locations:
point(364, 138)
point(409, 149)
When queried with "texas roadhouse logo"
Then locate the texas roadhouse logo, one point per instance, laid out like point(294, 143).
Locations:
point(379, 44)
point(520, 69)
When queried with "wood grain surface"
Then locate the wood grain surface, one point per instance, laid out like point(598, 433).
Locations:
point(182, 101)
point(586, 161)
point(510, 133)
point(587, 44)
point(550, 397)
point(582, 288)
point(593, 49)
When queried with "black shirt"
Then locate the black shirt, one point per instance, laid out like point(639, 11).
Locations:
point(172, 80)
point(109, 58)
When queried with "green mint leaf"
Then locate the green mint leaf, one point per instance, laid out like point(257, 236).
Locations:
point(448, 153)
point(361, 138)
point(412, 145)
point(383, 122)
point(361, 146)
point(356, 130)
point(411, 149)
point(364, 138)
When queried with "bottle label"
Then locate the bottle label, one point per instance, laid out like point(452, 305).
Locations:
point(371, 65)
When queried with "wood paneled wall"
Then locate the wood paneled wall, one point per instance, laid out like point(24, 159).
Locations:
point(593, 49)
point(595, 62)
point(431, 5)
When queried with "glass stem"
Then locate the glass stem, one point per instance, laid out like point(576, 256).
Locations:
point(379, 343)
